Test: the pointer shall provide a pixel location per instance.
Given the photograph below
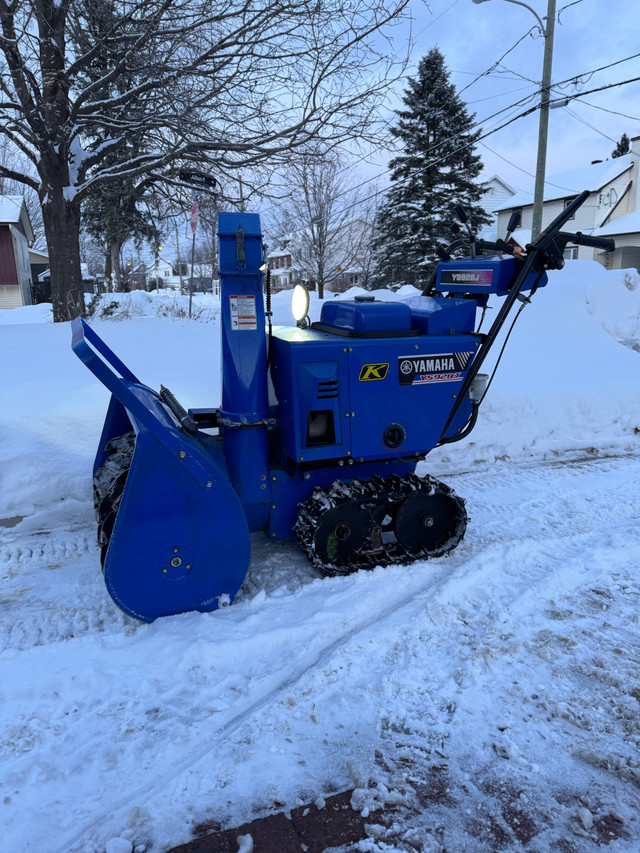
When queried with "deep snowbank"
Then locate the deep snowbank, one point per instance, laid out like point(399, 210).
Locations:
point(565, 383)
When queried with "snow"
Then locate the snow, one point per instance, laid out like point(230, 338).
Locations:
point(573, 181)
point(629, 224)
point(11, 208)
point(489, 697)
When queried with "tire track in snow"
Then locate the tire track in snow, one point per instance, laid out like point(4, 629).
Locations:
point(36, 563)
point(43, 548)
point(468, 573)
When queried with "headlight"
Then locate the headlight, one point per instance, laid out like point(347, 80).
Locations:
point(299, 303)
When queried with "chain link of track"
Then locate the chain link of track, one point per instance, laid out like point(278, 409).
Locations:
point(380, 511)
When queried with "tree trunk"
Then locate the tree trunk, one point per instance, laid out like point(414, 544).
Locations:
point(116, 277)
point(62, 230)
point(108, 278)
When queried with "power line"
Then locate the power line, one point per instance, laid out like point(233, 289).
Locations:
point(589, 125)
point(613, 112)
point(501, 127)
point(496, 64)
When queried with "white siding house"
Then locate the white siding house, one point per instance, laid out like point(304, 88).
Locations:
point(610, 210)
point(497, 194)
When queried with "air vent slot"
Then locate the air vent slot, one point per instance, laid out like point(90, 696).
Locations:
point(328, 389)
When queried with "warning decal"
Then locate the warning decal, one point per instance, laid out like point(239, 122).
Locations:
point(243, 313)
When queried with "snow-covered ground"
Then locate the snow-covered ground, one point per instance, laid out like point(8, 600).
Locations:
point(490, 698)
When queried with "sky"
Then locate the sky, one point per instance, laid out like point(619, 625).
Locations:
point(590, 34)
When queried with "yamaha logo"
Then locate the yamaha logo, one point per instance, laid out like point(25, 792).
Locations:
point(428, 369)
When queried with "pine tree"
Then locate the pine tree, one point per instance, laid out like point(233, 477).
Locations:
point(438, 170)
point(622, 147)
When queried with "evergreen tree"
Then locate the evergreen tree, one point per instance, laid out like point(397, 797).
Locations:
point(438, 170)
point(622, 147)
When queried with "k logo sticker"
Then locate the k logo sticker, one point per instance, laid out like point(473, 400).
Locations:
point(373, 372)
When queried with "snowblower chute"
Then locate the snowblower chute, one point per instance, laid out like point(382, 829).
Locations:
point(318, 435)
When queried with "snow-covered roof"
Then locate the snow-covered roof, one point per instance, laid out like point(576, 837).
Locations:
point(629, 224)
point(10, 208)
point(574, 181)
point(496, 179)
point(38, 256)
point(14, 210)
point(521, 236)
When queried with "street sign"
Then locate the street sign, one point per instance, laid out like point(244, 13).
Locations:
point(198, 178)
point(194, 216)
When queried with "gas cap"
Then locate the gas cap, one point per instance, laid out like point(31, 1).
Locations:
point(394, 435)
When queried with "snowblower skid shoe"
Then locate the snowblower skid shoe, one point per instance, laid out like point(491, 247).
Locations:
point(164, 503)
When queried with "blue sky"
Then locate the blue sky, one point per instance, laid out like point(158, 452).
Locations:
point(590, 34)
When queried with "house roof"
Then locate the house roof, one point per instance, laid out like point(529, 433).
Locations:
point(38, 256)
point(629, 224)
point(14, 210)
point(496, 179)
point(574, 181)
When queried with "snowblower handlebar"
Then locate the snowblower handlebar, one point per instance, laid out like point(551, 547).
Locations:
point(607, 244)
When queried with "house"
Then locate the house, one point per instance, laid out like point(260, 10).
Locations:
point(614, 187)
point(284, 275)
point(39, 264)
point(625, 231)
point(497, 194)
point(347, 258)
point(16, 234)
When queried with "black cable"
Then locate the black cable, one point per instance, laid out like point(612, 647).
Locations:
point(268, 313)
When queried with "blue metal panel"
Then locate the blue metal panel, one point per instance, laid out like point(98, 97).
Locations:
point(404, 383)
point(170, 550)
point(408, 387)
point(245, 408)
point(244, 349)
point(367, 317)
point(442, 316)
point(309, 372)
point(486, 274)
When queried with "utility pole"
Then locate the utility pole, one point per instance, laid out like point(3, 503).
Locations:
point(545, 93)
point(543, 127)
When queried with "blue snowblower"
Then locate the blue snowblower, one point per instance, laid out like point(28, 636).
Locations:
point(318, 433)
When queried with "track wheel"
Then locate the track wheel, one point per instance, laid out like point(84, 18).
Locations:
point(347, 528)
point(430, 524)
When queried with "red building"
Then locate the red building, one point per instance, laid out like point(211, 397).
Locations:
point(16, 235)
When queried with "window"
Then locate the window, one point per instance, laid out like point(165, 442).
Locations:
point(567, 202)
point(354, 279)
point(570, 253)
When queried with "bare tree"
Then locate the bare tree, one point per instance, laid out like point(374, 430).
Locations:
point(323, 220)
point(224, 85)
point(12, 161)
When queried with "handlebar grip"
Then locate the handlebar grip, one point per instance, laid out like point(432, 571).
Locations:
point(605, 243)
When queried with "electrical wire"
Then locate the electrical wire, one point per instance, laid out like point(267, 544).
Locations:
point(590, 126)
point(505, 124)
point(613, 112)
point(496, 64)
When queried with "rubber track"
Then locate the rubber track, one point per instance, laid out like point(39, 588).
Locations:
point(395, 489)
